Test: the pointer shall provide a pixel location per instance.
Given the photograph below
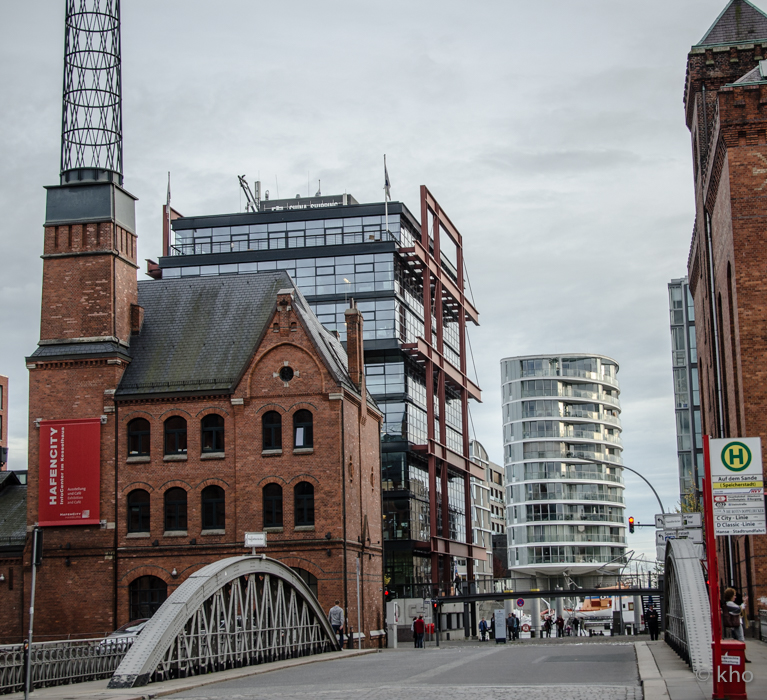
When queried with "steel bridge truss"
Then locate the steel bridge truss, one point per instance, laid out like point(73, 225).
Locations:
point(686, 606)
point(236, 612)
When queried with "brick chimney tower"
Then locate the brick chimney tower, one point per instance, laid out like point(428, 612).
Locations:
point(354, 346)
point(89, 300)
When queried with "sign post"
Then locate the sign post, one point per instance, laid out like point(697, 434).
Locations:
point(734, 505)
point(255, 539)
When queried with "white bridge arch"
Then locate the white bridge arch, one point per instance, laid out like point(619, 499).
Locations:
point(235, 612)
point(687, 613)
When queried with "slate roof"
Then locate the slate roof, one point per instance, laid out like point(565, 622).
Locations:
point(200, 333)
point(739, 22)
point(753, 76)
point(13, 510)
point(77, 350)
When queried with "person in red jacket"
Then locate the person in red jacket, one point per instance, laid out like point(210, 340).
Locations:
point(419, 628)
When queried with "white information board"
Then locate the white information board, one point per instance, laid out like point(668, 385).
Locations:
point(737, 483)
point(500, 623)
point(255, 539)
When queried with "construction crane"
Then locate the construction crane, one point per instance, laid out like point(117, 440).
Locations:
point(253, 201)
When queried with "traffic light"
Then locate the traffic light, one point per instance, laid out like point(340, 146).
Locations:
point(631, 525)
point(387, 595)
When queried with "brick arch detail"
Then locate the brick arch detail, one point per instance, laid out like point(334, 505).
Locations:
point(146, 570)
point(175, 482)
point(207, 410)
point(137, 414)
point(272, 479)
point(212, 481)
point(138, 485)
point(175, 411)
point(263, 356)
point(302, 404)
point(304, 477)
point(272, 407)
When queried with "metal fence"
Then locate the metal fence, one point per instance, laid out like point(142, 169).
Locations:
point(61, 662)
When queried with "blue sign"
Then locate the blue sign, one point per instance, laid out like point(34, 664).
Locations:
point(520, 602)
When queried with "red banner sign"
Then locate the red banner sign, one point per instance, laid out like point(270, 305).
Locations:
point(70, 468)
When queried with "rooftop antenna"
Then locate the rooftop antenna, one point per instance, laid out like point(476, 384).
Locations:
point(253, 200)
point(319, 189)
point(91, 115)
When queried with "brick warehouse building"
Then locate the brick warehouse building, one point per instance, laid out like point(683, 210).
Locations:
point(725, 103)
point(222, 406)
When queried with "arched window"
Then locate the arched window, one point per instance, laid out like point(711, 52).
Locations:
point(138, 437)
point(309, 578)
point(175, 509)
point(213, 433)
point(272, 422)
point(175, 436)
point(304, 503)
point(303, 433)
point(213, 502)
point(147, 594)
point(272, 505)
point(138, 511)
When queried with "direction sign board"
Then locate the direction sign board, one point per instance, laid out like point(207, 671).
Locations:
point(737, 483)
point(694, 534)
point(667, 521)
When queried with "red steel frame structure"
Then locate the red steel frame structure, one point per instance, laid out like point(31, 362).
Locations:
point(441, 292)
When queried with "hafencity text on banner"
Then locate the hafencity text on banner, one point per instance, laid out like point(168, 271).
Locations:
point(738, 486)
point(70, 463)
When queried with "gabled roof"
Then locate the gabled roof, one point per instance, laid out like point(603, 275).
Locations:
point(739, 22)
point(199, 334)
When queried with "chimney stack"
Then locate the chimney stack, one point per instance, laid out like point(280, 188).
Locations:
point(354, 347)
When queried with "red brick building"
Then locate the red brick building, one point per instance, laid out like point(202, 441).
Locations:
point(725, 103)
point(222, 406)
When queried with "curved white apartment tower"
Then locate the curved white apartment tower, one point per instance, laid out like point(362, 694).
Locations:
point(562, 456)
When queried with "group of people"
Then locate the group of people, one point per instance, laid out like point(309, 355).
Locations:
point(556, 624)
point(487, 629)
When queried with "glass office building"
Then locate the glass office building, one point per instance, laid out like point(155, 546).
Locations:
point(684, 359)
point(414, 333)
point(562, 456)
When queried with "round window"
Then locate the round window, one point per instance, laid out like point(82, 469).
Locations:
point(286, 374)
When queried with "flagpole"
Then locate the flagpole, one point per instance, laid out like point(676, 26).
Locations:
point(386, 196)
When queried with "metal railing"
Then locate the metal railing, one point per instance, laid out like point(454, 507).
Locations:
point(61, 662)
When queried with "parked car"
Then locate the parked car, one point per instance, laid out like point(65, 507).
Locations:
point(128, 631)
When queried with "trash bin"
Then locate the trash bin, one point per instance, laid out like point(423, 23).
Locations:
point(730, 669)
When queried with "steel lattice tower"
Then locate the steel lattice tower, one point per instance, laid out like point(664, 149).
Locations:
point(91, 129)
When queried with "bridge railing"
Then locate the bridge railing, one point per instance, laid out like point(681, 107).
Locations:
point(61, 662)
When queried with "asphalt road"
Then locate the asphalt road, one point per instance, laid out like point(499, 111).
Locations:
point(562, 672)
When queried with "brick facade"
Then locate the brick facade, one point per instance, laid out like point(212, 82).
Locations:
point(728, 124)
point(83, 588)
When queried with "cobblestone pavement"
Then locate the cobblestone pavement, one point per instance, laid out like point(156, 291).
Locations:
point(575, 672)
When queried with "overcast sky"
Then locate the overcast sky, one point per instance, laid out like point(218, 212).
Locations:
point(552, 133)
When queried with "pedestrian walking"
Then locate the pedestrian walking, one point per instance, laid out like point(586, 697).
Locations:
point(547, 626)
point(492, 627)
point(510, 627)
point(576, 625)
point(482, 629)
point(419, 628)
point(651, 620)
point(560, 626)
point(336, 620)
point(412, 630)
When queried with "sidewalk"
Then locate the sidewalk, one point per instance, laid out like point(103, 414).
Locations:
point(681, 683)
point(97, 690)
